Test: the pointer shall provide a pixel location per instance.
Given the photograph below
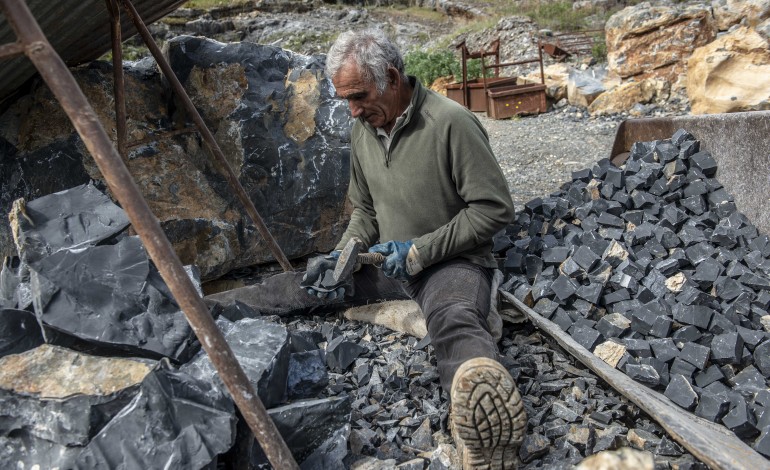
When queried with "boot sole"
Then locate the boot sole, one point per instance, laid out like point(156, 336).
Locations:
point(488, 417)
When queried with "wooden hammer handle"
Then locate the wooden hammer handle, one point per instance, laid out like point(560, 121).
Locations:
point(370, 258)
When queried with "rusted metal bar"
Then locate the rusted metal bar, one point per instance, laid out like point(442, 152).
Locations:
point(73, 101)
point(9, 51)
point(118, 78)
point(208, 137)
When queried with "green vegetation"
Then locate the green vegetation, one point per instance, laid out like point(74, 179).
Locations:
point(428, 66)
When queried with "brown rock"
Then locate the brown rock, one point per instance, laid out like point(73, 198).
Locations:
point(621, 459)
point(555, 76)
point(731, 12)
point(610, 352)
point(624, 97)
point(644, 41)
point(730, 74)
point(54, 372)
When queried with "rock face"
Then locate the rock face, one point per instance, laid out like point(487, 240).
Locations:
point(273, 115)
point(624, 97)
point(730, 74)
point(646, 40)
point(731, 12)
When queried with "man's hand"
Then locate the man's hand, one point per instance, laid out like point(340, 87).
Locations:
point(402, 260)
point(318, 282)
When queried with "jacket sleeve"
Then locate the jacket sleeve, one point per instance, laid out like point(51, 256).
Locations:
point(363, 220)
point(480, 182)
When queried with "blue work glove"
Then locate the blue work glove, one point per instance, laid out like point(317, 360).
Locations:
point(318, 282)
point(401, 260)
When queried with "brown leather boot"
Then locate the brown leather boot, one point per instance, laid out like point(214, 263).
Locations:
point(487, 415)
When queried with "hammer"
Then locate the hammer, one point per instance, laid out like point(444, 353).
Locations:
point(350, 256)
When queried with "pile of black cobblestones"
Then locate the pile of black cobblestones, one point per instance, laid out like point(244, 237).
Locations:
point(399, 412)
point(650, 265)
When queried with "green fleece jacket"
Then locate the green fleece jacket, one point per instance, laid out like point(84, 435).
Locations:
point(439, 185)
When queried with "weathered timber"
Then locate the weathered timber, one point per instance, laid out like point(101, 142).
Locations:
point(713, 444)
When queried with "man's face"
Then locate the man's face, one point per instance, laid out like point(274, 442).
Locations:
point(379, 110)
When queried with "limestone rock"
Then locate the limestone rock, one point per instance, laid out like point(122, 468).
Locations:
point(583, 87)
point(624, 97)
point(273, 114)
point(610, 352)
point(556, 77)
point(730, 74)
point(645, 40)
point(404, 316)
point(622, 459)
point(747, 12)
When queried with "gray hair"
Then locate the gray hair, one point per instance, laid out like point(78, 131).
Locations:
point(371, 51)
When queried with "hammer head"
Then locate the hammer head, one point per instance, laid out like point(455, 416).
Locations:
point(347, 260)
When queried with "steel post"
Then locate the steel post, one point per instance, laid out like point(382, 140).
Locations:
point(118, 84)
point(9, 51)
point(73, 101)
point(208, 137)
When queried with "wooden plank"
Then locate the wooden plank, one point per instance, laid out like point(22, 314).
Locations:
point(711, 443)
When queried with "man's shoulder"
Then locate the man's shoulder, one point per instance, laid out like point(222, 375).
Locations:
point(439, 107)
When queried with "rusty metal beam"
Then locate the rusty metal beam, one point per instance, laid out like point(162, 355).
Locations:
point(9, 51)
point(118, 78)
point(86, 123)
point(208, 137)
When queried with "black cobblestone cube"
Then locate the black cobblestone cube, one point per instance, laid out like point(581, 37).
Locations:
point(643, 373)
point(740, 419)
point(616, 296)
point(556, 255)
point(613, 325)
point(564, 287)
point(642, 320)
point(586, 337)
point(591, 292)
point(708, 376)
point(696, 315)
point(683, 368)
point(749, 380)
point(712, 406)
point(664, 349)
point(680, 391)
point(704, 162)
point(726, 348)
point(637, 347)
point(695, 354)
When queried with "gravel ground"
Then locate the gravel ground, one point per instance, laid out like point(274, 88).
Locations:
point(539, 153)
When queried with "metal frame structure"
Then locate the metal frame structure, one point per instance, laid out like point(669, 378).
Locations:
point(32, 42)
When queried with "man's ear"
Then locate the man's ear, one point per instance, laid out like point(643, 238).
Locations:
point(393, 76)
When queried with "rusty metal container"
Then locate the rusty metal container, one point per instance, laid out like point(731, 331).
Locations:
point(475, 94)
point(516, 100)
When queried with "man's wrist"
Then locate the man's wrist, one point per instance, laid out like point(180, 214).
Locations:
point(413, 261)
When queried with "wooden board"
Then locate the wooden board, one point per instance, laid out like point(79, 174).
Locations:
point(711, 443)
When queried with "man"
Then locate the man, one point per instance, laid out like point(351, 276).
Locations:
point(428, 194)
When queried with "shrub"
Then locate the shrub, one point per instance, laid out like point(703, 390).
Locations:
point(428, 66)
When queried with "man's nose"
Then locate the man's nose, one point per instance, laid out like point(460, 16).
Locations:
point(355, 109)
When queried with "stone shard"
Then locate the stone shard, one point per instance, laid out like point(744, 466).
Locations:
point(190, 422)
point(308, 425)
point(681, 392)
point(66, 220)
point(19, 332)
point(262, 349)
point(307, 376)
